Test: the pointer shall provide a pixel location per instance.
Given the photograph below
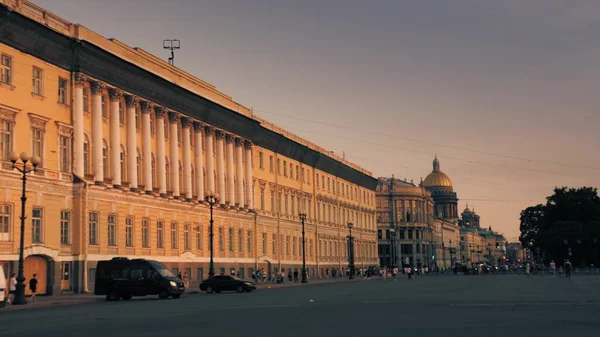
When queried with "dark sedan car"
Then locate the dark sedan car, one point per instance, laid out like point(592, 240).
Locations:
point(226, 283)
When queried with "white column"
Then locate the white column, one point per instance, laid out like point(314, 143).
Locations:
point(97, 133)
point(210, 160)
point(249, 191)
point(239, 172)
point(187, 160)
point(160, 150)
point(115, 137)
point(146, 146)
point(199, 161)
point(174, 149)
point(220, 167)
point(131, 143)
point(230, 173)
point(78, 137)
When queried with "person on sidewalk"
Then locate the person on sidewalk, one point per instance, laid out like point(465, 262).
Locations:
point(33, 288)
point(568, 267)
point(12, 288)
point(296, 275)
point(553, 268)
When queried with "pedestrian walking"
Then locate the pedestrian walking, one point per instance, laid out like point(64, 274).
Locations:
point(186, 280)
point(33, 288)
point(553, 268)
point(296, 275)
point(568, 267)
point(12, 288)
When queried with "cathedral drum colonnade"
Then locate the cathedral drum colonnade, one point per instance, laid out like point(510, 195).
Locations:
point(130, 145)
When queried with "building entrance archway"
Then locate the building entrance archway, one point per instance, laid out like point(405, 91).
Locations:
point(36, 264)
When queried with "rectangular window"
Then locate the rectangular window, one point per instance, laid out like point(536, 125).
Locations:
point(231, 239)
point(198, 234)
point(36, 225)
point(294, 246)
point(6, 69)
point(274, 244)
point(121, 114)
point(221, 248)
point(93, 228)
point(145, 233)
point(129, 232)
point(273, 210)
point(186, 236)
point(317, 180)
point(241, 240)
point(260, 161)
point(37, 85)
point(112, 230)
point(37, 143)
point(86, 100)
point(160, 238)
point(285, 168)
point(262, 198)
point(64, 148)
point(297, 172)
point(6, 135)
point(249, 241)
point(65, 225)
point(291, 171)
point(5, 213)
point(271, 164)
point(174, 235)
point(62, 91)
point(264, 243)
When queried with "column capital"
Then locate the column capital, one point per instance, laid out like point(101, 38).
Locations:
point(198, 127)
point(219, 134)
point(185, 122)
point(114, 94)
point(97, 87)
point(130, 101)
point(239, 141)
point(209, 130)
point(229, 137)
point(80, 79)
point(173, 116)
point(146, 106)
point(160, 111)
point(248, 144)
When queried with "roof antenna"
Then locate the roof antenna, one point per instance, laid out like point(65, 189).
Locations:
point(171, 44)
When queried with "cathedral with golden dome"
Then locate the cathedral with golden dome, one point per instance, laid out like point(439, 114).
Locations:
point(442, 192)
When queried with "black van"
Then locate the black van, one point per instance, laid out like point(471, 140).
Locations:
point(125, 278)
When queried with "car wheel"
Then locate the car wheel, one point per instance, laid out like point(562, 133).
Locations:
point(176, 296)
point(209, 290)
point(163, 295)
point(126, 297)
point(112, 295)
point(240, 288)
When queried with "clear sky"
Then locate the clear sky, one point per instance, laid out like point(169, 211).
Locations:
point(391, 83)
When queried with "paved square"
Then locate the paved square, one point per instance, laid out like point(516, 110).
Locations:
point(428, 306)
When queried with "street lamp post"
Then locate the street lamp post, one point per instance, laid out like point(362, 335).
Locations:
point(392, 246)
point(35, 161)
point(304, 280)
point(350, 252)
point(212, 200)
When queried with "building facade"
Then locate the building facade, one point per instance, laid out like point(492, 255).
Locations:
point(130, 147)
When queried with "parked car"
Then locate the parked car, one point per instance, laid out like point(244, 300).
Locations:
point(124, 278)
point(226, 283)
point(3, 287)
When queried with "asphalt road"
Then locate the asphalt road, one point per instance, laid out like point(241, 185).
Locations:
point(429, 306)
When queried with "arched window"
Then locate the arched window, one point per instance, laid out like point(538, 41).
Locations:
point(86, 154)
point(194, 192)
point(105, 158)
point(153, 163)
point(180, 178)
point(168, 180)
point(138, 161)
point(123, 163)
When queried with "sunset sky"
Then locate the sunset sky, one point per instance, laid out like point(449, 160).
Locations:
point(501, 91)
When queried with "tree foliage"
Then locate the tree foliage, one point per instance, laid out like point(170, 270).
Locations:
point(566, 227)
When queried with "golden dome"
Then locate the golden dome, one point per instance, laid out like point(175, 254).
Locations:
point(437, 178)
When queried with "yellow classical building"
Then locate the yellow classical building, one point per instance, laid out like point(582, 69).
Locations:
point(130, 146)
